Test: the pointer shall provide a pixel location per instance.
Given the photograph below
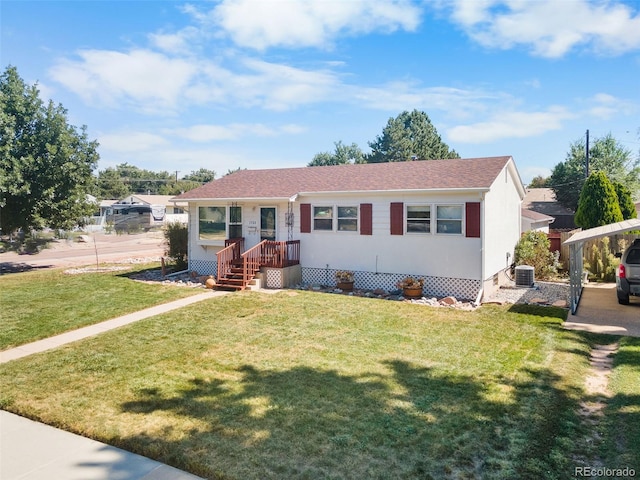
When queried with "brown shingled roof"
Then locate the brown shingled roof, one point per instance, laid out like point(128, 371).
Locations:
point(452, 174)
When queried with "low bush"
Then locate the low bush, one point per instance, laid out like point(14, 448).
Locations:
point(533, 249)
point(177, 236)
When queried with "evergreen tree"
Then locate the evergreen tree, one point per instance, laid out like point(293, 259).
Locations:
point(598, 204)
point(627, 207)
point(409, 136)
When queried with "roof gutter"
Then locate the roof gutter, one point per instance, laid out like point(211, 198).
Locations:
point(234, 199)
point(481, 190)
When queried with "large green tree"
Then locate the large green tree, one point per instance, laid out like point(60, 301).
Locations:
point(202, 175)
point(606, 155)
point(46, 164)
point(342, 154)
point(409, 136)
point(598, 204)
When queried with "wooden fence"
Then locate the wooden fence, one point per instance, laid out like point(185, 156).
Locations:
point(594, 251)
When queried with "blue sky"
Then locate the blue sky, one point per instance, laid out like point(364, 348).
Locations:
point(177, 86)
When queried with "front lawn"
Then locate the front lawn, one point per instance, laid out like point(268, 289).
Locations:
point(307, 385)
point(39, 304)
point(621, 429)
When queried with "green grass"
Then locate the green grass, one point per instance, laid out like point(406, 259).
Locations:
point(39, 304)
point(307, 385)
point(621, 430)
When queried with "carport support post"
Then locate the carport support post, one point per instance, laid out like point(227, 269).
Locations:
point(575, 274)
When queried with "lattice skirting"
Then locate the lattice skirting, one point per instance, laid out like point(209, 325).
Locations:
point(204, 267)
point(461, 288)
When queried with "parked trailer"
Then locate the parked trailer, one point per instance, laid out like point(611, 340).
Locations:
point(135, 217)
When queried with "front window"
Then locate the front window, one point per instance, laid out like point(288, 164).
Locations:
point(449, 219)
point(418, 219)
point(323, 218)
point(212, 223)
point(347, 219)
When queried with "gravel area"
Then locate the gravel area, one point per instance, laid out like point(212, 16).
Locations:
point(543, 293)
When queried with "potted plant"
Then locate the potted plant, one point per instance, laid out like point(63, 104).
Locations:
point(345, 279)
point(411, 287)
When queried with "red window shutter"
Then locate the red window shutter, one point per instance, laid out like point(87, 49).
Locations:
point(397, 218)
point(366, 221)
point(305, 218)
point(472, 216)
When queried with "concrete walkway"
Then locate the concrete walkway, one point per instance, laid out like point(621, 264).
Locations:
point(600, 312)
point(91, 330)
point(33, 451)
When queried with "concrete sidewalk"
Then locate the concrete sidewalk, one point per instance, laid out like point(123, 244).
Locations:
point(91, 330)
point(33, 451)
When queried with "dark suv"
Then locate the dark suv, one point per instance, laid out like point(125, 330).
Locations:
point(628, 273)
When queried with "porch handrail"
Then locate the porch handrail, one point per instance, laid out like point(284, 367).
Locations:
point(225, 258)
point(251, 261)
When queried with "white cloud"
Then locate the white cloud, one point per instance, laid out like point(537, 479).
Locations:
point(510, 125)
point(604, 106)
point(147, 79)
point(398, 96)
point(550, 28)
point(128, 141)
point(308, 23)
point(209, 133)
point(155, 83)
point(179, 42)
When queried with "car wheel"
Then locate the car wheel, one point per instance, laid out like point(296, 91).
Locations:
point(623, 300)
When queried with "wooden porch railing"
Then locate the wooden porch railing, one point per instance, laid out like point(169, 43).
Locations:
point(280, 254)
point(227, 256)
point(236, 268)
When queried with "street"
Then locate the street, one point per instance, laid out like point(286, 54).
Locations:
point(99, 246)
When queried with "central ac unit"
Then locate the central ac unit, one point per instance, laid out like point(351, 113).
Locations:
point(524, 276)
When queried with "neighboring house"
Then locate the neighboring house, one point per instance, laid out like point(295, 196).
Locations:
point(454, 223)
point(174, 211)
point(164, 200)
point(535, 221)
point(543, 200)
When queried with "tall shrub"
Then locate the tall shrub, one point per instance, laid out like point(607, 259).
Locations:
point(598, 204)
point(533, 249)
point(176, 235)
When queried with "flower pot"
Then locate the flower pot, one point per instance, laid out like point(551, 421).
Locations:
point(412, 292)
point(345, 286)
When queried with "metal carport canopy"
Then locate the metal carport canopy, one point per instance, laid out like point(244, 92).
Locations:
point(576, 244)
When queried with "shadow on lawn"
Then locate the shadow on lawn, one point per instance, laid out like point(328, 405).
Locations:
point(414, 422)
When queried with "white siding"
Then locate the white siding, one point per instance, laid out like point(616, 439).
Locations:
point(439, 255)
point(502, 211)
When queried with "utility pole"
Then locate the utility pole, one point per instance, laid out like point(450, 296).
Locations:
point(177, 175)
point(586, 164)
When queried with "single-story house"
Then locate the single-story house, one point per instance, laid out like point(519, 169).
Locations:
point(543, 201)
point(164, 200)
point(535, 221)
point(453, 223)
